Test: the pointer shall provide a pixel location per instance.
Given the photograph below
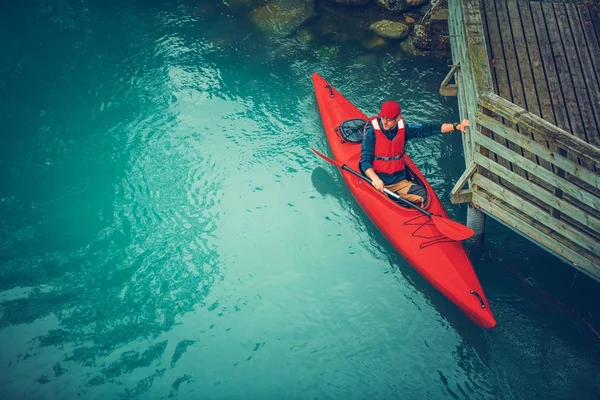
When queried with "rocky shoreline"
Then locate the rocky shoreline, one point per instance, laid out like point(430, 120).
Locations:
point(400, 27)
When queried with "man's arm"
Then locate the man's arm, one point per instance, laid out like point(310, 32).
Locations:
point(367, 155)
point(462, 126)
point(421, 131)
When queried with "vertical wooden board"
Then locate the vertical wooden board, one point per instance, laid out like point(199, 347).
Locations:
point(536, 64)
point(499, 74)
point(464, 75)
point(523, 53)
point(595, 17)
point(559, 108)
point(576, 68)
point(588, 48)
point(523, 70)
point(512, 90)
point(564, 75)
point(590, 38)
point(476, 45)
point(486, 132)
point(498, 69)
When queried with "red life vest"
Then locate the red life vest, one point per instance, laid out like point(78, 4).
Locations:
point(389, 154)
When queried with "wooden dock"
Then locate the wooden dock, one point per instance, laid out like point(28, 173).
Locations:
point(528, 75)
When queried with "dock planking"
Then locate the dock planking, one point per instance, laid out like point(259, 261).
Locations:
point(534, 68)
point(547, 60)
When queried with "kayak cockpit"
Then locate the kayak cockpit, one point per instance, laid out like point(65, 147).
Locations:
point(352, 131)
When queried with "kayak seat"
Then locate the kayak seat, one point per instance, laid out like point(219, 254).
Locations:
point(351, 130)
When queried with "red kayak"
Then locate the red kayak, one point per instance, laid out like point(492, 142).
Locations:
point(441, 260)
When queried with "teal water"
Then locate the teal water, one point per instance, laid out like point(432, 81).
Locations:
point(166, 231)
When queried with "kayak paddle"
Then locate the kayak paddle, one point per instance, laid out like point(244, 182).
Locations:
point(447, 227)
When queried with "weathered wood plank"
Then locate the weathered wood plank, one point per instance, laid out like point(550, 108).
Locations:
point(467, 102)
point(509, 84)
point(564, 75)
point(595, 16)
point(499, 72)
point(542, 194)
point(489, 71)
point(542, 173)
point(592, 84)
point(583, 261)
point(462, 181)
point(541, 150)
point(525, 74)
point(538, 85)
point(526, 97)
point(479, 19)
point(591, 38)
point(533, 123)
point(542, 69)
point(463, 196)
point(536, 64)
point(538, 214)
point(476, 46)
point(561, 118)
point(576, 68)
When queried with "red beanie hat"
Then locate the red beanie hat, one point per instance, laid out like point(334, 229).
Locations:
point(390, 109)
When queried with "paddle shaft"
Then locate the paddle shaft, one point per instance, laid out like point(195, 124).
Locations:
point(387, 191)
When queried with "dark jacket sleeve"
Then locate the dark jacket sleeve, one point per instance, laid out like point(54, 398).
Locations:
point(420, 131)
point(367, 152)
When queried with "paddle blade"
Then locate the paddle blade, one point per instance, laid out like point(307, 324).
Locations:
point(452, 229)
point(324, 157)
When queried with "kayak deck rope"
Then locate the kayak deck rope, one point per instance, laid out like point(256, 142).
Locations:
point(421, 221)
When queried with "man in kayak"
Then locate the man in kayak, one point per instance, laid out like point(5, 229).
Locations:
point(382, 152)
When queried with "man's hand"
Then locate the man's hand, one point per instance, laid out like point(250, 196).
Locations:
point(378, 184)
point(463, 126)
point(375, 180)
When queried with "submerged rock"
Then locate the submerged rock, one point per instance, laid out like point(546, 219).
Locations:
point(408, 48)
point(426, 38)
point(282, 19)
point(366, 59)
point(328, 53)
point(373, 42)
point(393, 5)
point(305, 36)
point(353, 2)
point(390, 29)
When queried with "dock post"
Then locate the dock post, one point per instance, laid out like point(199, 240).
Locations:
point(475, 221)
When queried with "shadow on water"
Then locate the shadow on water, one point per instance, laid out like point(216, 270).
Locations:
point(324, 182)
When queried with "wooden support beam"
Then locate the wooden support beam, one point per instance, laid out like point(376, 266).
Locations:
point(579, 215)
point(585, 262)
point(447, 88)
point(539, 215)
point(589, 177)
point(457, 195)
point(571, 189)
point(535, 124)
